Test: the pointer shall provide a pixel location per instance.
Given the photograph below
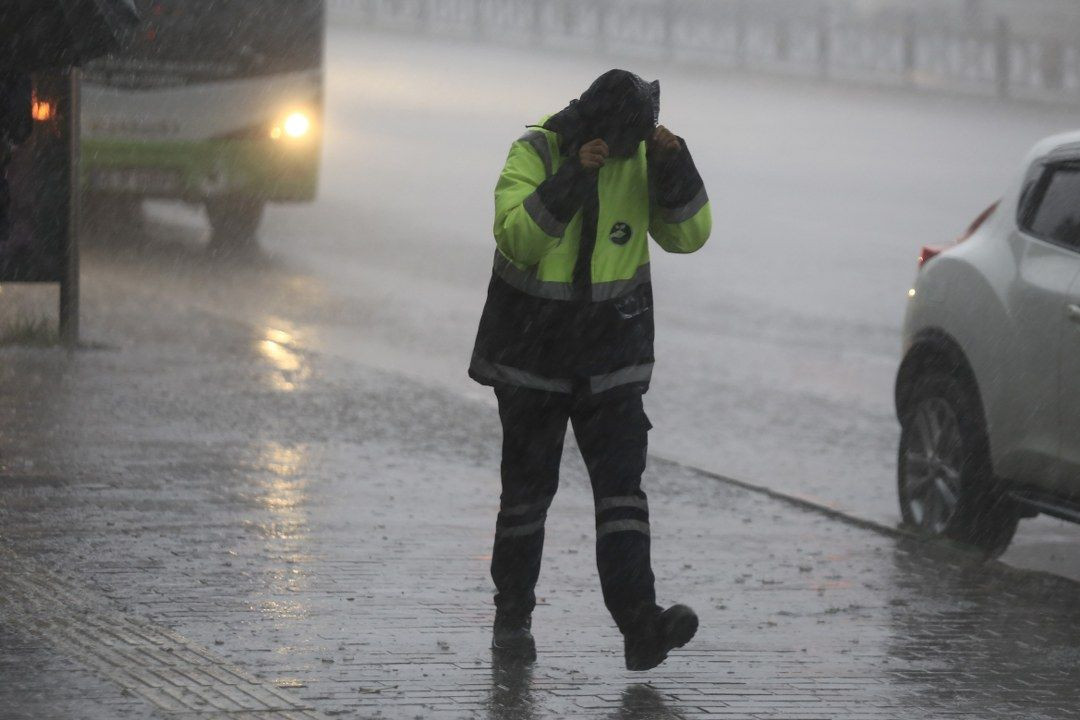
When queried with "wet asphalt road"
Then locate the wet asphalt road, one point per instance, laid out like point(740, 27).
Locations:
point(777, 344)
point(204, 518)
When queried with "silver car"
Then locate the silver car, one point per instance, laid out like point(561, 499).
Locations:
point(988, 392)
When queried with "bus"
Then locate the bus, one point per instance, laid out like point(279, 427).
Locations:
point(216, 103)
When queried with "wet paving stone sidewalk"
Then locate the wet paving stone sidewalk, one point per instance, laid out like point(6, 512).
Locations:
point(205, 519)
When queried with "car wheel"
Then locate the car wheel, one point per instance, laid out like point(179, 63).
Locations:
point(234, 224)
point(945, 479)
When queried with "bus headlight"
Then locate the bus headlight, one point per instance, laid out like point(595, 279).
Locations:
point(295, 126)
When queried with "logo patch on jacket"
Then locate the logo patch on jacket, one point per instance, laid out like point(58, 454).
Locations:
point(621, 233)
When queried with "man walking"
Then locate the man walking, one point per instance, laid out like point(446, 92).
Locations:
point(567, 335)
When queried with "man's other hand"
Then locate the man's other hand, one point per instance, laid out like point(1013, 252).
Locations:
point(593, 154)
point(663, 141)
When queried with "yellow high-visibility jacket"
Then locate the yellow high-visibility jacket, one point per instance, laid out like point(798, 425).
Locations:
point(558, 323)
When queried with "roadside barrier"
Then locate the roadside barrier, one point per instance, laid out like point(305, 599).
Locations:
point(1020, 49)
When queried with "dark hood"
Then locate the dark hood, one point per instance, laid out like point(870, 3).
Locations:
point(618, 107)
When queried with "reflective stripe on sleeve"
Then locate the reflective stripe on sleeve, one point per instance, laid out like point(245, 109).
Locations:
point(519, 378)
point(543, 217)
point(683, 213)
point(625, 376)
point(527, 282)
point(615, 526)
point(539, 143)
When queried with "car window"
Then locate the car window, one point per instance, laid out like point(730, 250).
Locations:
point(1031, 183)
point(1056, 215)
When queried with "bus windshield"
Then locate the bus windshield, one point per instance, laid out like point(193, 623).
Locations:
point(184, 41)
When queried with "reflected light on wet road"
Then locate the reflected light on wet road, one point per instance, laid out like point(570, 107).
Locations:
point(279, 336)
point(289, 369)
point(282, 491)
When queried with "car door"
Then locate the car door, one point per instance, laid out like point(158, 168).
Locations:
point(1070, 394)
point(1048, 245)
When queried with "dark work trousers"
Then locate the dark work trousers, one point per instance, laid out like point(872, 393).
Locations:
point(612, 435)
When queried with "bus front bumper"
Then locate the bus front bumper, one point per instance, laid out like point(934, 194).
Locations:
point(199, 171)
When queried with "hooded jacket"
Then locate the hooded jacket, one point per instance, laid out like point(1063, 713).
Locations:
point(570, 305)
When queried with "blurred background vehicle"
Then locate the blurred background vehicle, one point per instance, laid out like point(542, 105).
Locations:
point(989, 389)
point(217, 102)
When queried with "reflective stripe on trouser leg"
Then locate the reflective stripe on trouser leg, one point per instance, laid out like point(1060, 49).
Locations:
point(623, 557)
point(534, 426)
point(613, 437)
point(516, 555)
point(522, 520)
point(629, 513)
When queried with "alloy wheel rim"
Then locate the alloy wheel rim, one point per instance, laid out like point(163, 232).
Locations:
point(933, 457)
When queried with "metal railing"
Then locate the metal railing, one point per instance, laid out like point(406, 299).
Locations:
point(1001, 48)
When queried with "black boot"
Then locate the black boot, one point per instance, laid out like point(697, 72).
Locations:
point(647, 645)
point(512, 637)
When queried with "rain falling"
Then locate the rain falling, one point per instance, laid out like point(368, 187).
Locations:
point(520, 359)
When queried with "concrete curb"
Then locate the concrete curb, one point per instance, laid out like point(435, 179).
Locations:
point(938, 545)
point(795, 500)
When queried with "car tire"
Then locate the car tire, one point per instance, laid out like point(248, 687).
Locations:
point(234, 224)
point(945, 477)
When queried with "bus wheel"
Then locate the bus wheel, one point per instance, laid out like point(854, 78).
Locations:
point(234, 224)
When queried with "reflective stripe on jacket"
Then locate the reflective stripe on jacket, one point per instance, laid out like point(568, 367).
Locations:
point(552, 322)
